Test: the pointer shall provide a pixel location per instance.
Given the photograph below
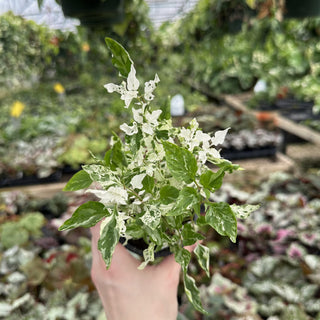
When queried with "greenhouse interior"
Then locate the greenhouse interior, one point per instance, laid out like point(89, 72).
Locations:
point(186, 132)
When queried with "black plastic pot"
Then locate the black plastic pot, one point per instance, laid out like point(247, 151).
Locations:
point(95, 13)
point(302, 9)
point(137, 246)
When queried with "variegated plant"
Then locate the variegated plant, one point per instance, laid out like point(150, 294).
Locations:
point(152, 184)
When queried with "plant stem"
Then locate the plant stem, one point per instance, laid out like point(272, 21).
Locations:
point(134, 193)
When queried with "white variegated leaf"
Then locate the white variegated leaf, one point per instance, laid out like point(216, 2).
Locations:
point(129, 130)
point(137, 115)
point(203, 256)
point(114, 195)
point(219, 137)
point(147, 128)
point(243, 211)
point(111, 87)
point(132, 81)
point(153, 116)
point(151, 218)
point(149, 88)
point(136, 181)
point(148, 255)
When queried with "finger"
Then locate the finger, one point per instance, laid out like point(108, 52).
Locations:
point(97, 259)
point(192, 247)
point(122, 257)
point(95, 232)
point(167, 272)
point(170, 262)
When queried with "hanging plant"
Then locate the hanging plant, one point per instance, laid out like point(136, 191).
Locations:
point(302, 9)
point(94, 13)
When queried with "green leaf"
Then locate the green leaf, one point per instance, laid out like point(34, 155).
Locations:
point(201, 221)
point(148, 255)
point(162, 134)
point(115, 158)
point(148, 183)
point(80, 180)
point(192, 292)
point(181, 162)
point(173, 221)
point(134, 141)
point(212, 180)
point(151, 218)
point(86, 216)
point(155, 235)
point(134, 229)
point(243, 211)
point(168, 194)
point(226, 165)
point(182, 256)
point(120, 57)
point(97, 172)
point(189, 235)
point(188, 200)
point(109, 238)
point(165, 114)
point(220, 217)
point(203, 255)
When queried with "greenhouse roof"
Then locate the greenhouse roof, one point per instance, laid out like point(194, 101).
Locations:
point(51, 13)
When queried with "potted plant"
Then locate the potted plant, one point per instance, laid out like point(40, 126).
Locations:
point(299, 9)
point(152, 184)
point(94, 12)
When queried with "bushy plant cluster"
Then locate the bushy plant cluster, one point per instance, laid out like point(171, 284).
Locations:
point(30, 52)
point(62, 126)
point(25, 51)
point(53, 71)
point(40, 270)
point(281, 53)
point(42, 138)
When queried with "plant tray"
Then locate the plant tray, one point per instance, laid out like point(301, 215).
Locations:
point(30, 180)
point(70, 170)
point(295, 110)
point(233, 154)
point(282, 122)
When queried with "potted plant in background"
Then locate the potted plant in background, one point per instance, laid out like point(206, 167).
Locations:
point(298, 9)
point(152, 184)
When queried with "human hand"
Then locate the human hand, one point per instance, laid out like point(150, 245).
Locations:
point(131, 294)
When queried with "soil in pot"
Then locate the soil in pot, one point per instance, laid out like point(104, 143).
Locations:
point(138, 245)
